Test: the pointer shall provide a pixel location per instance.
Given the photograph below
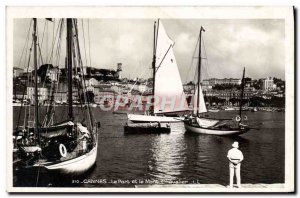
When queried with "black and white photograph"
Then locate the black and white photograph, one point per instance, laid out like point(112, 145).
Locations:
point(150, 99)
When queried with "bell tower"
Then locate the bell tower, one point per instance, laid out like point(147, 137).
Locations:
point(119, 69)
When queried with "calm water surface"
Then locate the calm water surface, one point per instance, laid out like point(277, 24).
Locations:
point(178, 156)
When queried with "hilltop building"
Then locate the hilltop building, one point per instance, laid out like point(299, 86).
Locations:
point(267, 84)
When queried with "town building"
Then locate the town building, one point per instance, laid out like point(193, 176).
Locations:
point(215, 81)
point(17, 72)
point(97, 73)
point(267, 83)
point(229, 95)
point(42, 94)
point(102, 95)
point(60, 97)
point(53, 74)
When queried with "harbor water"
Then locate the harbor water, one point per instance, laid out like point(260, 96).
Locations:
point(124, 160)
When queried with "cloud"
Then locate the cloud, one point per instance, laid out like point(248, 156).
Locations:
point(230, 45)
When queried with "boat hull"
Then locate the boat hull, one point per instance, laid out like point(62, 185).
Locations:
point(77, 165)
point(213, 110)
point(145, 130)
point(146, 118)
point(202, 130)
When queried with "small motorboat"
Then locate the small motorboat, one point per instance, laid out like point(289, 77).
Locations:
point(214, 110)
point(144, 128)
point(254, 109)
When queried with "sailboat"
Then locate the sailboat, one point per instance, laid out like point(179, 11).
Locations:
point(204, 125)
point(67, 147)
point(167, 84)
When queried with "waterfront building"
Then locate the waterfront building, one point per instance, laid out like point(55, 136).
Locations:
point(116, 88)
point(42, 94)
point(229, 95)
point(142, 88)
point(60, 97)
point(103, 95)
point(18, 95)
point(215, 81)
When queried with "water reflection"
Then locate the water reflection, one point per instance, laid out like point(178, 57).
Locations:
point(178, 155)
point(206, 160)
point(168, 154)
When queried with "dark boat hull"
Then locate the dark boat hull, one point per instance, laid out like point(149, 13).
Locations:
point(146, 130)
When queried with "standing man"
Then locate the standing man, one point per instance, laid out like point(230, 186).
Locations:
point(235, 157)
point(85, 135)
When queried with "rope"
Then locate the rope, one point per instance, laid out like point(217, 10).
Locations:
point(145, 85)
point(37, 177)
point(26, 42)
point(192, 61)
point(83, 75)
point(44, 34)
point(19, 116)
point(84, 48)
point(52, 105)
point(53, 42)
point(89, 42)
point(27, 78)
point(206, 60)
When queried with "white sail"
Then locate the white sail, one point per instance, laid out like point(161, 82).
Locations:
point(168, 91)
point(202, 106)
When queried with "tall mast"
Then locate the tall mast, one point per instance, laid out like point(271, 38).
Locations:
point(69, 65)
point(153, 65)
point(199, 69)
point(36, 96)
point(242, 93)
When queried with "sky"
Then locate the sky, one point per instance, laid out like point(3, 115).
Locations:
point(228, 45)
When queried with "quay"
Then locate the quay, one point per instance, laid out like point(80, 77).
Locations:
point(259, 187)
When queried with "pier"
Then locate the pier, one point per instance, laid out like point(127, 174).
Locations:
point(259, 187)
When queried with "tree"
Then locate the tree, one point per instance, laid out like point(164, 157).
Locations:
point(257, 84)
point(258, 102)
point(213, 99)
point(277, 102)
point(190, 83)
point(226, 86)
point(42, 72)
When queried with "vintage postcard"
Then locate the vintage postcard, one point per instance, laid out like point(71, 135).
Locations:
point(150, 99)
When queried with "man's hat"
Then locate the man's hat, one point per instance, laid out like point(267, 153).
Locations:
point(235, 145)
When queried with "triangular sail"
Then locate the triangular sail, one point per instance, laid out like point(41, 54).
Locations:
point(202, 106)
point(168, 84)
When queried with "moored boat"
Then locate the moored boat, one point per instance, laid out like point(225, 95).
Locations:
point(147, 128)
point(215, 130)
point(156, 118)
point(200, 125)
point(214, 110)
point(229, 109)
point(66, 147)
point(166, 81)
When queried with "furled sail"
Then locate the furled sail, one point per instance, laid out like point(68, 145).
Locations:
point(202, 106)
point(169, 95)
